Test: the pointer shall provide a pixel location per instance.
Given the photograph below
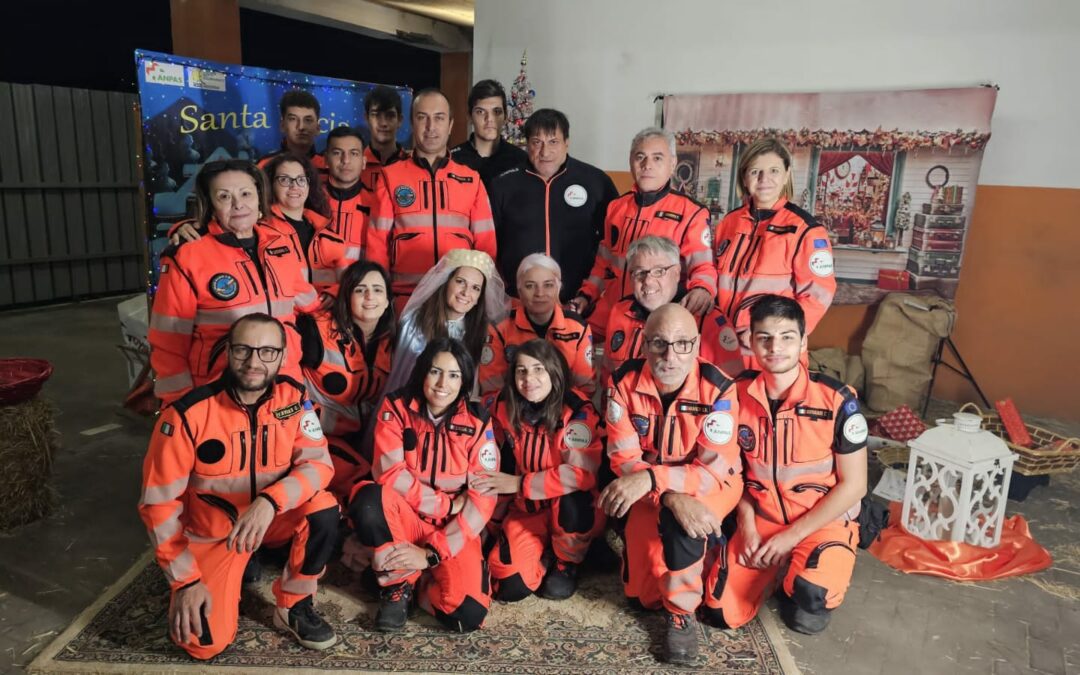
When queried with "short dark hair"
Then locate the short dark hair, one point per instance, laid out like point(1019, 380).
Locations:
point(343, 131)
point(298, 98)
point(257, 317)
point(414, 388)
point(546, 119)
point(777, 307)
point(316, 198)
point(384, 97)
point(342, 308)
point(486, 89)
point(204, 204)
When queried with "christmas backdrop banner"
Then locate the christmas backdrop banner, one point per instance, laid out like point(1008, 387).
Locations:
point(196, 111)
point(891, 175)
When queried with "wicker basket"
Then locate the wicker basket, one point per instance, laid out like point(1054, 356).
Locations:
point(1053, 453)
point(893, 456)
point(21, 379)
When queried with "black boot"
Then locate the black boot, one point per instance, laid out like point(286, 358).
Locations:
point(560, 582)
point(681, 641)
point(304, 623)
point(394, 607)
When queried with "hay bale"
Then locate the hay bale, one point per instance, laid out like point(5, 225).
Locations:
point(27, 442)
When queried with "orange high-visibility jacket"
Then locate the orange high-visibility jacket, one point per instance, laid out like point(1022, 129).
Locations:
point(689, 448)
point(568, 332)
point(430, 464)
point(325, 259)
point(790, 460)
point(554, 462)
point(210, 456)
point(421, 212)
point(719, 343)
point(782, 251)
point(374, 165)
point(635, 215)
point(350, 209)
point(205, 286)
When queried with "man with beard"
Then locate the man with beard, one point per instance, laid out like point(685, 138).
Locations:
point(233, 465)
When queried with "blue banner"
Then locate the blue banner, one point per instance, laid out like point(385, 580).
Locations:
point(196, 111)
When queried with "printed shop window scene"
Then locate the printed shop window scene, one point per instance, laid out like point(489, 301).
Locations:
point(890, 175)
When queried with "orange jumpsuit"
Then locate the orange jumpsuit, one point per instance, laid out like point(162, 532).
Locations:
point(557, 502)
point(781, 251)
point(325, 259)
point(421, 212)
point(635, 215)
point(210, 457)
point(688, 448)
point(419, 467)
point(789, 460)
point(568, 332)
point(374, 165)
point(205, 286)
point(350, 209)
point(344, 380)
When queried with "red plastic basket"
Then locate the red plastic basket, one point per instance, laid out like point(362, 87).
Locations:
point(21, 379)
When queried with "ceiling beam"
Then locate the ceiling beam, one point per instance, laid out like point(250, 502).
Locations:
point(373, 20)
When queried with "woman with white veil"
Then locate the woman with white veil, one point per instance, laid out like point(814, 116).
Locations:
point(458, 298)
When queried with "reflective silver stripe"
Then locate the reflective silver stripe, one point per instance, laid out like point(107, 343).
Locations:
point(697, 258)
point(758, 469)
point(485, 225)
point(625, 443)
point(537, 487)
point(382, 224)
point(293, 491)
point(387, 461)
point(455, 540)
point(168, 528)
point(572, 480)
point(222, 317)
point(449, 483)
point(159, 494)
point(675, 477)
point(324, 276)
point(353, 252)
point(818, 292)
point(429, 501)
point(264, 480)
point(401, 278)
point(181, 568)
point(580, 459)
point(423, 220)
point(302, 300)
point(314, 453)
point(171, 324)
point(173, 383)
point(229, 485)
point(761, 284)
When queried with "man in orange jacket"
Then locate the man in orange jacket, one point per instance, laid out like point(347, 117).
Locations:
point(803, 443)
point(671, 442)
point(232, 465)
point(384, 112)
point(427, 205)
point(652, 207)
point(299, 128)
point(350, 199)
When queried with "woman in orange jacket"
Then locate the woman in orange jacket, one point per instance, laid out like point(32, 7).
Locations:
point(346, 361)
point(551, 450)
point(299, 210)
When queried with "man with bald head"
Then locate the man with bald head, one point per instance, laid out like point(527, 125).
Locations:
point(671, 441)
point(428, 204)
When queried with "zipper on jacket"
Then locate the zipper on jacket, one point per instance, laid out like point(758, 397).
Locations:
point(776, 472)
point(269, 309)
point(671, 438)
point(731, 268)
point(265, 429)
point(254, 430)
point(424, 451)
point(434, 217)
point(243, 449)
point(434, 456)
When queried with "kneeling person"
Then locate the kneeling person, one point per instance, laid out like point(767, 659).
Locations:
point(424, 512)
point(671, 440)
point(800, 509)
point(232, 465)
point(550, 452)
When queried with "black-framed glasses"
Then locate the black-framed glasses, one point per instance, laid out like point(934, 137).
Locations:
point(660, 346)
point(289, 181)
point(266, 354)
point(655, 273)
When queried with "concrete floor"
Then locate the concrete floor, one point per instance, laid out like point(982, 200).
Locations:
point(891, 622)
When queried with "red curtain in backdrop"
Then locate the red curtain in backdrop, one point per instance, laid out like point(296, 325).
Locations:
point(830, 159)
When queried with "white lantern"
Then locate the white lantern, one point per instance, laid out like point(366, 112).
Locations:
point(958, 483)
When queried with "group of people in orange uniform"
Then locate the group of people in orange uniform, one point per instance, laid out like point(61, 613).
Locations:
point(344, 374)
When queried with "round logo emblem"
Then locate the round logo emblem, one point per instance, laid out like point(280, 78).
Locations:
point(575, 195)
point(509, 353)
point(617, 339)
point(489, 456)
point(641, 424)
point(309, 425)
point(706, 237)
point(728, 339)
point(487, 355)
point(577, 436)
point(224, 286)
point(718, 427)
point(855, 430)
point(821, 264)
point(404, 195)
point(589, 354)
point(746, 438)
point(614, 411)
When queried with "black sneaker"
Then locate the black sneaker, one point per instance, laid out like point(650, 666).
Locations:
point(681, 641)
point(253, 570)
point(560, 582)
point(394, 607)
point(305, 624)
point(801, 621)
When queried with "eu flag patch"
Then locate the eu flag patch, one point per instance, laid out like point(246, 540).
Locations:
point(579, 415)
point(720, 320)
point(821, 243)
point(489, 434)
point(722, 405)
point(308, 406)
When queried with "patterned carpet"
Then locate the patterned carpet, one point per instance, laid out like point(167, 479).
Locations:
point(594, 632)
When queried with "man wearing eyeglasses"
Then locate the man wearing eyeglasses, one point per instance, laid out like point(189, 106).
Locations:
point(233, 465)
point(671, 421)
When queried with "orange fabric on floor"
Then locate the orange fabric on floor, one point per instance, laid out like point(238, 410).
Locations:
point(1017, 553)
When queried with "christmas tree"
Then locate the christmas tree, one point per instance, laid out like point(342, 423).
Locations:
point(521, 98)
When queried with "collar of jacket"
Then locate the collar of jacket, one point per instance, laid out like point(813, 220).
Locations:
point(418, 406)
point(344, 194)
point(639, 311)
point(399, 153)
point(314, 218)
point(521, 319)
point(530, 169)
point(650, 198)
point(310, 153)
point(758, 215)
point(264, 234)
point(796, 394)
point(431, 168)
point(646, 384)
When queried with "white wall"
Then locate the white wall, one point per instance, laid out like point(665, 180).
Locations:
point(603, 61)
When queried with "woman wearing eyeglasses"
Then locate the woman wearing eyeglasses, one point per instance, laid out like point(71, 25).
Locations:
point(240, 267)
point(299, 209)
point(551, 449)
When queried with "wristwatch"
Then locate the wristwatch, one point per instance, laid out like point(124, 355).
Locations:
point(433, 558)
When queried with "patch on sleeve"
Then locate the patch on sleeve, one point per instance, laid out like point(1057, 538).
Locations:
point(577, 436)
point(489, 456)
point(821, 263)
point(855, 429)
point(487, 355)
point(166, 429)
point(614, 411)
point(310, 427)
point(821, 243)
point(718, 427)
